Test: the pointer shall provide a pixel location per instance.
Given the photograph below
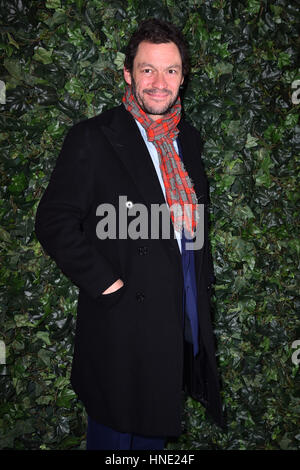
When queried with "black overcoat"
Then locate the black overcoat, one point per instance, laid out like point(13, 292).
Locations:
point(128, 355)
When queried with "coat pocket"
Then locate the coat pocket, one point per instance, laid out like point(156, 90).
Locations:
point(109, 300)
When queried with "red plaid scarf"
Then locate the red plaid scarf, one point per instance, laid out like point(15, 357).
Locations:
point(178, 186)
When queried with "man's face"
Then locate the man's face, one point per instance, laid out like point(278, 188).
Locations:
point(156, 77)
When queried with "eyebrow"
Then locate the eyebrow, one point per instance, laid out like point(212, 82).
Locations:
point(145, 64)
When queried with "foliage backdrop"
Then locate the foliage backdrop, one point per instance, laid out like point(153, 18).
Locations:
point(61, 62)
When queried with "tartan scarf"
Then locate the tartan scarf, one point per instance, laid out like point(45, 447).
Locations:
point(180, 193)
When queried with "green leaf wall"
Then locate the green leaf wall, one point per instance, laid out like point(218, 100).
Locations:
point(61, 62)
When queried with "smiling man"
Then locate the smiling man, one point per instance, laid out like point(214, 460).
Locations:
point(156, 77)
point(144, 338)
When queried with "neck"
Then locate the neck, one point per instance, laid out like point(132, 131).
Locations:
point(154, 117)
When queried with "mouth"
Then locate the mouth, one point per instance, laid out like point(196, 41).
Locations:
point(157, 95)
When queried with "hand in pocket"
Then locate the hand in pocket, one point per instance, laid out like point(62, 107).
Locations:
point(114, 287)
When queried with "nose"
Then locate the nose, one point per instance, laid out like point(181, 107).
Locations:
point(159, 81)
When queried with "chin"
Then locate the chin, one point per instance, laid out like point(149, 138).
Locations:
point(150, 109)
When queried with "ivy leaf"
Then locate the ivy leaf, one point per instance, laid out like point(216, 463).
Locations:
point(14, 68)
point(119, 60)
point(44, 336)
point(18, 184)
point(53, 4)
point(12, 41)
point(43, 55)
point(283, 59)
point(251, 141)
point(65, 398)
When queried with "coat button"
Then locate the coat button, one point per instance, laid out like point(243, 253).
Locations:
point(140, 296)
point(143, 250)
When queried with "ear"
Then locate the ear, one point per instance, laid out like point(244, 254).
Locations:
point(182, 80)
point(127, 76)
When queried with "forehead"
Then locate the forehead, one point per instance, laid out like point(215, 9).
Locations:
point(157, 54)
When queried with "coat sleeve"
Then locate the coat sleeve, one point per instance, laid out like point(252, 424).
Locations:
point(64, 205)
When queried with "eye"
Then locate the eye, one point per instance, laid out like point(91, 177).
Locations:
point(147, 71)
point(172, 71)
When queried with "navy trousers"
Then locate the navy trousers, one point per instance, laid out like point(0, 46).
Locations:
point(100, 437)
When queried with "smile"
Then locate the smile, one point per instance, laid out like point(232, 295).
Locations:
point(157, 95)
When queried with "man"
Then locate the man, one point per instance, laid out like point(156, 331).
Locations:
point(143, 331)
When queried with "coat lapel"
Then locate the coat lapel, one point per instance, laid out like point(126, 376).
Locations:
point(130, 147)
point(124, 135)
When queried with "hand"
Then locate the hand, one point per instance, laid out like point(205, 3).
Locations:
point(114, 287)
